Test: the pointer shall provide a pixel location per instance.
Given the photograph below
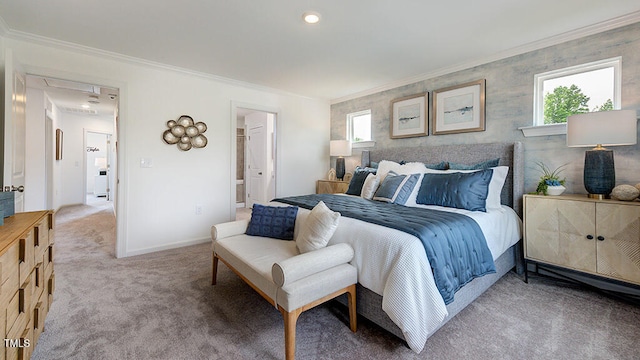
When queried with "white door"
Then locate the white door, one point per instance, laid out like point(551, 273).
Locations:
point(15, 128)
point(256, 164)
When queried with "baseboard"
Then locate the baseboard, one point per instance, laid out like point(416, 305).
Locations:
point(167, 247)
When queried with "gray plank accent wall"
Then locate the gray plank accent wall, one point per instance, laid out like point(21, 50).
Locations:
point(509, 105)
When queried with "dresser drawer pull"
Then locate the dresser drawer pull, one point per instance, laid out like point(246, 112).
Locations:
point(590, 237)
point(601, 238)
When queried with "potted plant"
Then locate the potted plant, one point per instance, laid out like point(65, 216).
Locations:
point(550, 182)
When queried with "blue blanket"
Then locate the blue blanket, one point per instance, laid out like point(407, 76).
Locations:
point(454, 243)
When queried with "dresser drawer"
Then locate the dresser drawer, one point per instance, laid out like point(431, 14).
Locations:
point(37, 280)
point(42, 233)
point(26, 256)
point(51, 287)
point(10, 263)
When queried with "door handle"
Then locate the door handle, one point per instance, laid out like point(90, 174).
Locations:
point(260, 173)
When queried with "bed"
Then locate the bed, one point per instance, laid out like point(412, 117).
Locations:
point(399, 295)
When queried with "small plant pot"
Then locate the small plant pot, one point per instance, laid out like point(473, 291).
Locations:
point(555, 190)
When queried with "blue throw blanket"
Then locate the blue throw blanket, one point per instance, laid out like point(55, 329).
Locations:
point(454, 243)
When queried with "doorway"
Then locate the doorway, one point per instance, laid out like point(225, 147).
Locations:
point(86, 114)
point(255, 153)
point(98, 177)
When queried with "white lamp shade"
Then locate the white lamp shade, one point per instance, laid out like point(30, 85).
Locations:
point(607, 128)
point(340, 148)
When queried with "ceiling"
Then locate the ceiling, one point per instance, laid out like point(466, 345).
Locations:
point(78, 98)
point(357, 46)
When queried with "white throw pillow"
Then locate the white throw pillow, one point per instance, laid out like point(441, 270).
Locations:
point(317, 228)
point(406, 169)
point(370, 186)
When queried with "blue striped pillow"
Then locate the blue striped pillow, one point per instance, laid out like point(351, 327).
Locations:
point(396, 188)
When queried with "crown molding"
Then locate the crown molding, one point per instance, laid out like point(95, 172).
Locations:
point(536, 45)
point(86, 50)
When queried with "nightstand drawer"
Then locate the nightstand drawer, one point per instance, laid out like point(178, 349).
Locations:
point(331, 187)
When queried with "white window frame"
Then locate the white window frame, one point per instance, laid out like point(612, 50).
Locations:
point(359, 144)
point(539, 128)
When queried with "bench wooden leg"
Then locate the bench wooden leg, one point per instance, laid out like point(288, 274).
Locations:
point(290, 319)
point(353, 316)
point(214, 270)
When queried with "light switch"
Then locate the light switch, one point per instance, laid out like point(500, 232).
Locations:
point(146, 162)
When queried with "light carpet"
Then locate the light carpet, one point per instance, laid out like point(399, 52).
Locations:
point(162, 306)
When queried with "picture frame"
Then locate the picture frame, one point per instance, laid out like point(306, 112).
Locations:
point(459, 109)
point(409, 116)
point(59, 144)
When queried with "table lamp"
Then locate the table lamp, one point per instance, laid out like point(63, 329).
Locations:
point(340, 148)
point(603, 128)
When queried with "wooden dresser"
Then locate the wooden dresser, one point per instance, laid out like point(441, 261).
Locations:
point(27, 280)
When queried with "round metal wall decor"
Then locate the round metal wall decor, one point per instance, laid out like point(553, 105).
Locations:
point(185, 133)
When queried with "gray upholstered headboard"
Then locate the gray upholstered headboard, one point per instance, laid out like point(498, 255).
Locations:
point(510, 154)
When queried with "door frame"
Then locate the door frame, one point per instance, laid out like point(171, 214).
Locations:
point(108, 150)
point(234, 144)
point(120, 186)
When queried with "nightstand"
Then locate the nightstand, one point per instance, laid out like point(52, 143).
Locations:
point(597, 237)
point(331, 187)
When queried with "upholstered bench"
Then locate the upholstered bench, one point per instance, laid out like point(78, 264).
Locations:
point(291, 281)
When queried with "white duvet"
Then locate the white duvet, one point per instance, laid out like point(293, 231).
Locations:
point(394, 265)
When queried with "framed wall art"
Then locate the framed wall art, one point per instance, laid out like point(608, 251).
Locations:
point(459, 108)
point(409, 116)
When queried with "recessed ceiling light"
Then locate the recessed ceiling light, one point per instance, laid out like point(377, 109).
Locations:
point(311, 17)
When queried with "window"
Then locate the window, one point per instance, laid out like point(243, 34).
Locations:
point(578, 89)
point(359, 128)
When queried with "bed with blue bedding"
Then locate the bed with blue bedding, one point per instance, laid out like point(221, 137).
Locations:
point(454, 243)
point(422, 260)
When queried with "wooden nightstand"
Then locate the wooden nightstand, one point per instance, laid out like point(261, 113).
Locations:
point(597, 237)
point(331, 187)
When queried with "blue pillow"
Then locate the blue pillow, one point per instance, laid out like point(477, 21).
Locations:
point(457, 190)
point(479, 166)
point(272, 221)
point(396, 188)
point(357, 181)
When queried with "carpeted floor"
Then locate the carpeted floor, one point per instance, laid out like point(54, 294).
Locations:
point(162, 306)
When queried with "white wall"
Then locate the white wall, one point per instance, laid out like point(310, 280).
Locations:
point(156, 207)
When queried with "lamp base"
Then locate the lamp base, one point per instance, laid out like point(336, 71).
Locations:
point(599, 173)
point(599, 196)
point(340, 168)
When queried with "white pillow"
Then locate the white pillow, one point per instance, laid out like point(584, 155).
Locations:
point(317, 228)
point(406, 169)
point(370, 186)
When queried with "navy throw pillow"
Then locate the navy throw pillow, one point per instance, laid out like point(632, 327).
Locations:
point(272, 221)
point(457, 190)
point(479, 166)
point(357, 181)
